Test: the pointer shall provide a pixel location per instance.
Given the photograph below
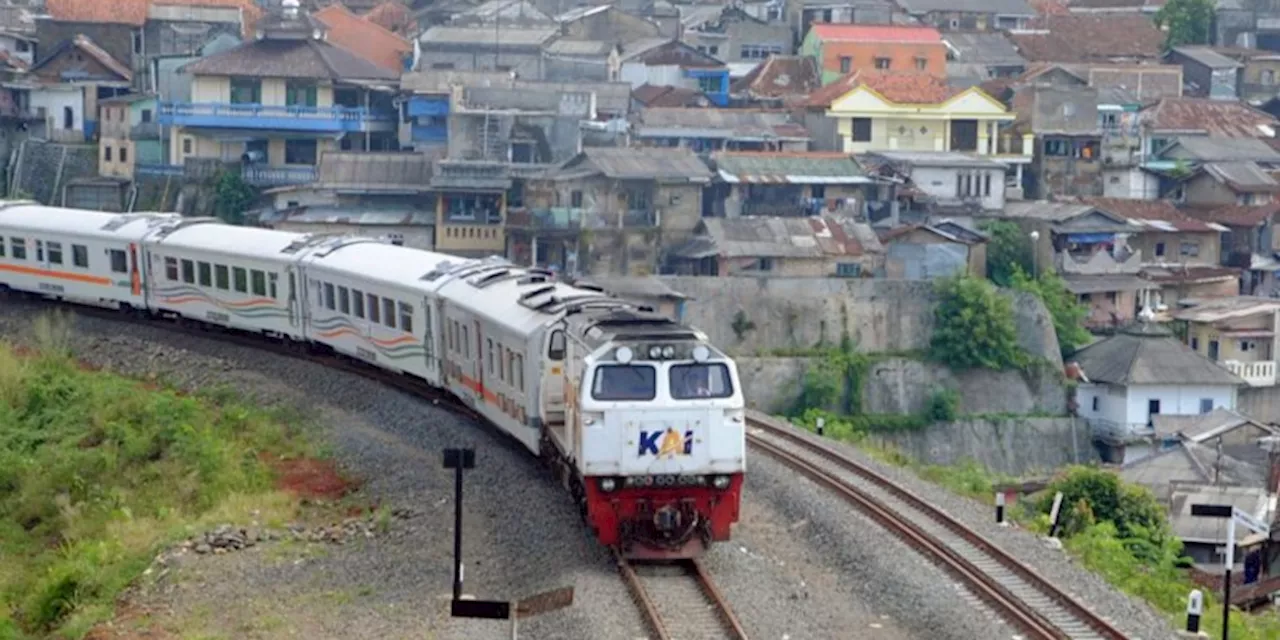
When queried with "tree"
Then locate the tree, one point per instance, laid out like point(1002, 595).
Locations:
point(974, 327)
point(1186, 22)
point(1067, 313)
point(1091, 495)
point(232, 197)
point(1008, 249)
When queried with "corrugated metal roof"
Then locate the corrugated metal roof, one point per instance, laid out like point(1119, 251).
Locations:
point(716, 123)
point(1242, 176)
point(1208, 57)
point(354, 215)
point(777, 237)
point(669, 164)
point(812, 167)
point(998, 7)
point(485, 36)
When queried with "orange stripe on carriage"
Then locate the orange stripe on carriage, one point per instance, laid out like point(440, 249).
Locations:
point(59, 275)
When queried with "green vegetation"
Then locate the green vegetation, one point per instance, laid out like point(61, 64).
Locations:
point(98, 472)
point(1067, 313)
point(1008, 250)
point(1186, 22)
point(232, 197)
point(974, 327)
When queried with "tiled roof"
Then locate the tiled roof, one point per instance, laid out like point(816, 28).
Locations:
point(715, 123)
point(780, 77)
point(1050, 7)
point(1089, 37)
point(1156, 215)
point(1215, 149)
point(290, 59)
point(1223, 118)
point(1242, 177)
point(1236, 215)
point(897, 87)
point(983, 48)
point(875, 33)
point(652, 95)
point(487, 37)
point(134, 12)
point(642, 164)
point(363, 37)
point(1149, 354)
point(998, 7)
point(91, 49)
point(814, 237)
point(1146, 83)
point(392, 16)
point(1208, 57)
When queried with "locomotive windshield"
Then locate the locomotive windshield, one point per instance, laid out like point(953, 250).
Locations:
point(690, 381)
point(625, 382)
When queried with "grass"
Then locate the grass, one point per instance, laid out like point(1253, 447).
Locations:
point(98, 472)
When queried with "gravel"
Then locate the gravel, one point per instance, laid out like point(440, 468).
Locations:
point(1131, 615)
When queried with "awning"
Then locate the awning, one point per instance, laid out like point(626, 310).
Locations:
point(1090, 238)
point(244, 135)
point(790, 179)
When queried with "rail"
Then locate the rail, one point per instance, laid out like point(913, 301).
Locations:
point(1016, 591)
point(683, 590)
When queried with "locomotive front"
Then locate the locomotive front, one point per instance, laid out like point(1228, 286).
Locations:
point(663, 442)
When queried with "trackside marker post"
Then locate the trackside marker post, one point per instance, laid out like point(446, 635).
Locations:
point(1055, 514)
point(1195, 606)
point(822, 423)
point(999, 507)
point(458, 460)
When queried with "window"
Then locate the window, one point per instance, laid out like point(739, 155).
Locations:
point(373, 309)
point(848, 269)
point(18, 248)
point(124, 154)
point(1159, 249)
point(1206, 405)
point(700, 381)
point(1096, 402)
point(272, 291)
point(299, 94)
point(328, 296)
point(846, 64)
point(119, 264)
point(555, 347)
point(882, 63)
point(1111, 297)
point(502, 363)
point(39, 250)
point(466, 343)
point(488, 355)
point(357, 303)
point(986, 184)
point(575, 199)
point(221, 279)
point(1268, 77)
point(186, 145)
point(205, 272)
point(23, 46)
point(258, 282)
point(1189, 248)
point(1, 247)
point(171, 269)
point(713, 50)
point(344, 300)
point(389, 312)
point(137, 41)
point(188, 272)
point(68, 118)
point(1195, 343)
point(300, 152)
point(240, 280)
point(146, 115)
point(922, 64)
point(519, 372)
point(406, 318)
point(106, 153)
point(625, 382)
point(246, 91)
point(860, 129)
point(55, 253)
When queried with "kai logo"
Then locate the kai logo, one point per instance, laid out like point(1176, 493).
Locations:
point(665, 443)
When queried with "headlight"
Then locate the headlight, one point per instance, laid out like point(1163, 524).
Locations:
point(655, 352)
point(721, 482)
point(668, 351)
point(608, 484)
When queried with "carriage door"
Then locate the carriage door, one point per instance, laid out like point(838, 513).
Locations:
point(479, 364)
point(295, 311)
point(428, 339)
point(553, 373)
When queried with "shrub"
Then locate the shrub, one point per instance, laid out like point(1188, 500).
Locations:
point(944, 405)
point(1008, 250)
point(973, 327)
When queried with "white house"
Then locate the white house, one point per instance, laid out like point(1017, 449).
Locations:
point(20, 46)
point(1140, 373)
point(951, 177)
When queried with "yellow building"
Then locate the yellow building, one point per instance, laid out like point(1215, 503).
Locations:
point(1239, 333)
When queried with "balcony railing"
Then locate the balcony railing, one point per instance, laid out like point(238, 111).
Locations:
point(263, 176)
point(158, 170)
point(575, 219)
point(1257, 374)
point(275, 117)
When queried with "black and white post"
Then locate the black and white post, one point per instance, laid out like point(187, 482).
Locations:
point(1000, 507)
point(1055, 514)
point(1195, 606)
point(822, 423)
point(458, 460)
point(1232, 515)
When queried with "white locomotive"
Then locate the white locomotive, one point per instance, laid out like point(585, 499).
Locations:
point(640, 417)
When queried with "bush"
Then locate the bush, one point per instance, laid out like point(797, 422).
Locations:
point(1091, 496)
point(944, 406)
point(232, 197)
point(1008, 250)
point(974, 327)
point(1067, 313)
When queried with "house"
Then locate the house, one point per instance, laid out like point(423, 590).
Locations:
point(976, 57)
point(730, 34)
point(535, 123)
point(1258, 78)
point(1090, 38)
point(788, 247)
point(605, 23)
point(579, 60)
point(1141, 373)
point(365, 38)
point(708, 129)
point(1226, 183)
point(1173, 118)
point(950, 179)
point(1146, 7)
point(1218, 447)
point(938, 250)
point(780, 81)
point(67, 84)
point(1237, 333)
point(130, 135)
point(970, 15)
point(1208, 74)
point(514, 48)
point(603, 211)
point(647, 96)
point(1249, 243)
point(174, 86)
point(884, 111)
point(278, 102)
point(1203, 539)
point(844, 48)
point(672, 63)
point(471, 207)
point(803, 14)
point(393, 16)
point(503, 12)
point(787, 184)
point(1068, 140)
point(18, 45)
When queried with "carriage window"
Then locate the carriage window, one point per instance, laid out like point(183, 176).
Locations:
point(171, 269)
point(488, 347)
point(625, 382)
point(79, 255)
point(389, 312)
point(259, 281)
point(240, 278)
point(39, 250)
point(328, 296)
point(220, 277)
point(205, 271)
point(690, 381)
point(272, 280)
point(1, 247)
point(119, 263)
point(55, 252)
point(357, 303)
point(502, 363)
point(519, 372)
point(556, 350)
point(373, 308)
point(19, 248)
point(406, 318)
point(188, 272)
point(466, 343)
point(511, 367)
point(344, 300)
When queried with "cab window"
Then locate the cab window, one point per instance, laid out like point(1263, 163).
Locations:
point(625, 382)
point(691, 381)
point(555, 350)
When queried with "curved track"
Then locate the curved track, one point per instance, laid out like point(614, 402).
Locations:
point(1017, 592)
point(680, 596)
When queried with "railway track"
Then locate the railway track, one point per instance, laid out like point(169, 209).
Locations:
point(1014, 590)
point(679, 601)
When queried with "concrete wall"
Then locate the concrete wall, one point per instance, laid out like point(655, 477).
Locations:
point(1259, 403)
point(1013, 446)
point(47, 167)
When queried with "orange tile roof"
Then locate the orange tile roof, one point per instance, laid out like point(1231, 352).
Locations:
point(392, 16)
point(876, 33)
point(896, 87)
point(134, 12)
point(364, 37)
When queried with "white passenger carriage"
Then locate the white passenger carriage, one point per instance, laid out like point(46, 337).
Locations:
point(72, 254)
point(367, 299)
point(238, 277)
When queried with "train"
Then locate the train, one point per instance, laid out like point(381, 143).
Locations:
point(639, 417)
